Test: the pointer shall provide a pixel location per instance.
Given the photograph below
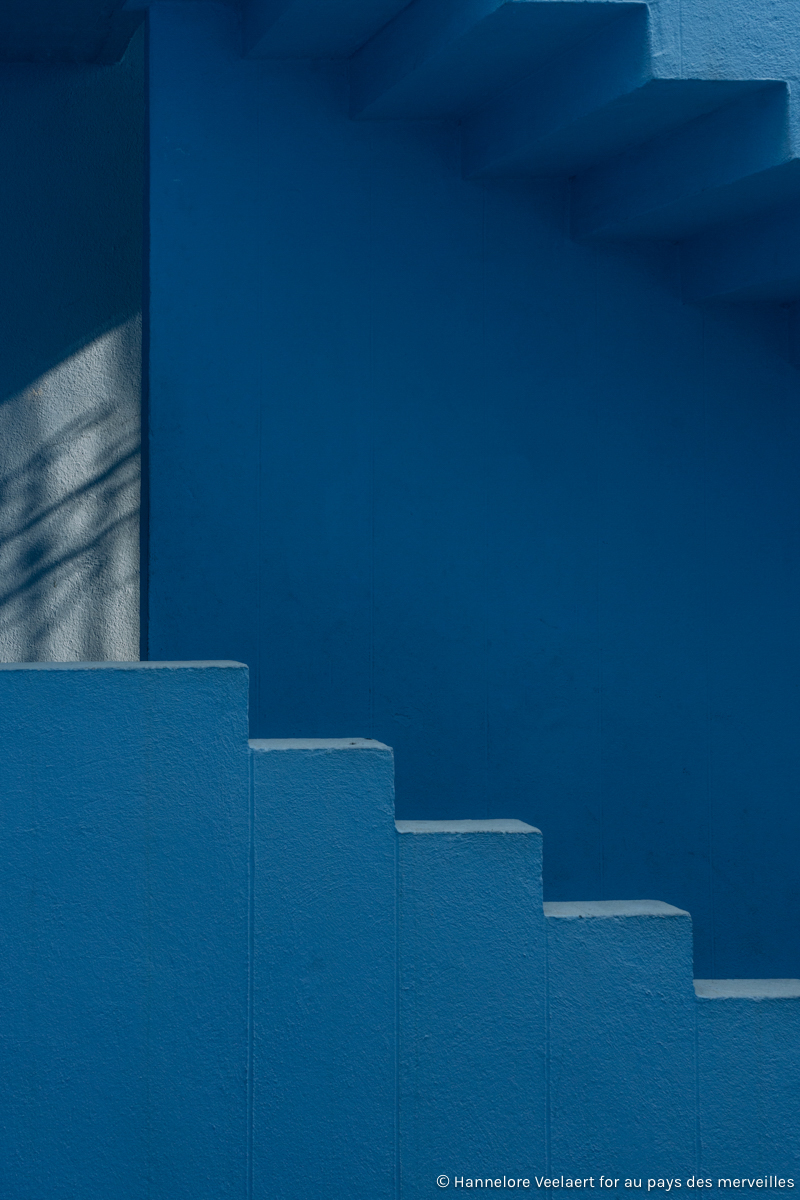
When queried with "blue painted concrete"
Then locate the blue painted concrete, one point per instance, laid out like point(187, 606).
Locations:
point(125, 829)
point(719, 166)
point(621, 1039)
point(324, 970)
point(750, 260)
point(445, 477)
point(448, 58)
point(472, 1001)
point(226, 971)
point(446, 445)
point(312, 28)
point(748, 1046)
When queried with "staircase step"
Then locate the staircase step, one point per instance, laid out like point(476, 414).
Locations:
point(471, 993)
point(236, 969)
point(123, 928)
point(748, 1058)
point(587, 105)
point(720, 167)
point(620, 991)
point(445, 58)
point(325, 968)
point(748, 261)
point(573, 87)
point(313, 28)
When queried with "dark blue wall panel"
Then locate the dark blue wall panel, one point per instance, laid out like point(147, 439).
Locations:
point(443, 477)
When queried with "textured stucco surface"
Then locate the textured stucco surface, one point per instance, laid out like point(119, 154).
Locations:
point(324, 927)
point(471, 1000)
point(224, 967)
point(123, 930)
point(71, 228)
point(69, 516)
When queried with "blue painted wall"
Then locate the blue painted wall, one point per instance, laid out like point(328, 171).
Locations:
point(445, 477)
point(71, 238)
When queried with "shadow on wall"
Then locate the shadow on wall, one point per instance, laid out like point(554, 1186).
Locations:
point(71, 215)
point(69, 508)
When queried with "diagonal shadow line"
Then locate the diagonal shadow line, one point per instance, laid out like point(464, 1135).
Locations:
point(74, 581)
point(52, 448)
point(46, 573)
point(14, 388)
point(71, 498)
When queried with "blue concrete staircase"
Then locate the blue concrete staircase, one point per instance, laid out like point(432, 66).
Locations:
point(226, 971)
point(594, 92)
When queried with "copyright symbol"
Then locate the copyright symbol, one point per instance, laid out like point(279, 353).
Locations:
point(443, 1181)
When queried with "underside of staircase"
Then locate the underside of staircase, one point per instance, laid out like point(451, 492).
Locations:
point(587, 91)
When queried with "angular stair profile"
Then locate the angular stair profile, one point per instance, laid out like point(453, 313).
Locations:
point(587, 104)
point(649, 155)
point(717, 168)
point(582, 89)
point(244, 969)
point(448, 58)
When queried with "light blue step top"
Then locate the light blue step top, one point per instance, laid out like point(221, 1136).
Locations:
point(747, 989)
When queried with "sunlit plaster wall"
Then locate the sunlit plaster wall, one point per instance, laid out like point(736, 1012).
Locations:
point(71, 141)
